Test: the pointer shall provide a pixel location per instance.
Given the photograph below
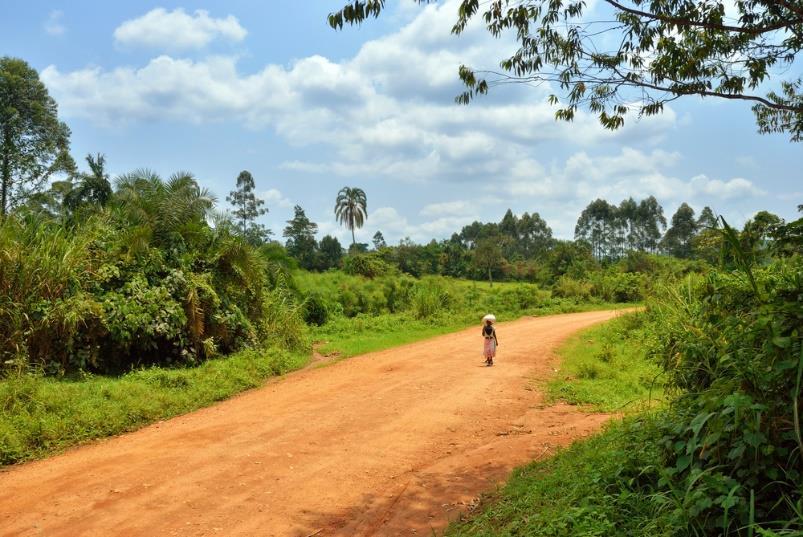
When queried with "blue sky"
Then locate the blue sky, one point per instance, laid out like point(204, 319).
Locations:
point(218, 87)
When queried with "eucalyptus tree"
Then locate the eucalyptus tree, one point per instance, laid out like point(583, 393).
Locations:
point(248, 207)
point(300, 235)
point(351, 209)
point(535, 236)
point(651, 223)
point(636, 56)
point(627, 213)
point(379, 241)
point(678, 238)
point(34, 144)
point(597, 224)
point(707, 219)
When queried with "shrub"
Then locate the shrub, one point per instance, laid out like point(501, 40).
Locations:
point(368, 265)
point(568, 287)
point(315, 310)
point(429, 299)
point(731, 345)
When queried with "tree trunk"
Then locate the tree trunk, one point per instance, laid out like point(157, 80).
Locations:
point(353, 241)
point(490, 278)
point(6, 174)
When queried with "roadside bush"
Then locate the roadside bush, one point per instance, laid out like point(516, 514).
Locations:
point(568, 287)
point(143, 282)
point(613, 286)
point(731, 344)
point(523, 297)
point(315, 310)
point(367, 265)
point(429, 299)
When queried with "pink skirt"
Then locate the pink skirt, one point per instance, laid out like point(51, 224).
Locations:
point(489, 351)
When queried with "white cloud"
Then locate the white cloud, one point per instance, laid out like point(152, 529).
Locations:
point(53, 25)
point(387, 114)
point(736, 187)
point(177, 30)
point(274, 198)
point(450, 208)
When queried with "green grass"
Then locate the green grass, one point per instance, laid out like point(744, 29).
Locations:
point(605, 369)
point(41, 415)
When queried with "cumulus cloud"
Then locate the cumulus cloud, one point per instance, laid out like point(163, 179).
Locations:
point(54, 25)
point(177, 30)
point(563, 189)
point(452, 208)
point(395, 225)
point(274, 198)
point(387, 113)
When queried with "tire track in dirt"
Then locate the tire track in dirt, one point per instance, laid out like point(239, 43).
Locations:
point(395, 442)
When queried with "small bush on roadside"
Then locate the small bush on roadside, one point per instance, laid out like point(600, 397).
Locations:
point(568, 287)
point(368, 265)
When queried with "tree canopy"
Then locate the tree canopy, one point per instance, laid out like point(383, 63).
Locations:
point(351, 209)
point(247, 208)
point(636, 56)
point(34, 144)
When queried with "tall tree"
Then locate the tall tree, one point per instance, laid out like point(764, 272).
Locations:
point(34, 144)
point(330, 252)
point(535, 236)
point(628, 224)
point(379, 240)
point(597, 224)
point(509, 231)
point(248, 208)
point(707, 219)
point(351, 209)
point(651, 223)
point(678, 238)
point(487, 257)
point(300, 235)
point(662, 50)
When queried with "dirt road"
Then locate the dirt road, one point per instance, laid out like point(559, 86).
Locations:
point(380, 444)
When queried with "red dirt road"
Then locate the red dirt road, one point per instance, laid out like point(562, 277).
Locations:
point(396, 442)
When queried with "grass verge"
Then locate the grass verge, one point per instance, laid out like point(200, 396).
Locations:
point(605, 370)
point(41, 415)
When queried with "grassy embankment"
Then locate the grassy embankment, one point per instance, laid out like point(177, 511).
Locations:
point(585, 489)
point(43, 415)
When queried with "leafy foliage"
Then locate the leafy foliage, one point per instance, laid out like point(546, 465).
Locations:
point(34, 144)
point(639, 55)
point(351, 208)
point(248, 208)
point(144, 280)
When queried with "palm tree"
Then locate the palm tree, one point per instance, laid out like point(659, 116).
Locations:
point(170, 213)
point(350, 209)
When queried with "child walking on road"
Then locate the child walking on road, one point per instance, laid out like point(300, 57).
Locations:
point(489, 335)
